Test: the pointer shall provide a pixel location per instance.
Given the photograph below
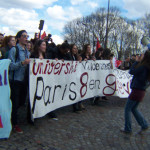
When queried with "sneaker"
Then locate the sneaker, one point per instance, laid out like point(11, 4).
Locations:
point(18, 129)
point(126, 132)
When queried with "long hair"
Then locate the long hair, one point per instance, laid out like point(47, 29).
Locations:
point(31, 45)
point(36, 48)
point(146, 59)
point(71, 47)
point(146, 62)
point(6, 40)
point(106, 54)
point(18, 35)
point(85, 48)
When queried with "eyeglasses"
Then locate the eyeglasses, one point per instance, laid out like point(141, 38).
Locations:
point(25, 36)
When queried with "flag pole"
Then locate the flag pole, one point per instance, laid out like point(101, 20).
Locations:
point(106, 39)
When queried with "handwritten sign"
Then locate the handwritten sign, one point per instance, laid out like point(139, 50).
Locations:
point(54, 84)
point(5, 103)
point(1, 125)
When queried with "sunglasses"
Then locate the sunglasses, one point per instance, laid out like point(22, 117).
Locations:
point(25, 36)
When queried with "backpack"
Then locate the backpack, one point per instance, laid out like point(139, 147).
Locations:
point(16, 57)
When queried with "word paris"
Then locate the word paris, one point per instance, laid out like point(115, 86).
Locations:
point(54, 84)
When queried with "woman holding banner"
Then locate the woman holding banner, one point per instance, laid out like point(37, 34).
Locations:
point(75, 57)
point(39, 51)
point(141, 77)
point(87, 55)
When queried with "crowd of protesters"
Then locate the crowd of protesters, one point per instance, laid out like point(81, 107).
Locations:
point(19, 50)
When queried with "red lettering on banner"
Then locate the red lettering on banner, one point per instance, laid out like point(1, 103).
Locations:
point(115, 86)
point(83, 84)
point(128, 84)
point(123, 87)
point(67, 65)
point(33, 69)
point(55, 68)
point(1, 125)
point(50, 65)
point(47, 63)
point(110, 85)
point(63, 64)
point(120, 87)
point(76, 66)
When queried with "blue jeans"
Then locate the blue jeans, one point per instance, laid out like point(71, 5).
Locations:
point(131, 106)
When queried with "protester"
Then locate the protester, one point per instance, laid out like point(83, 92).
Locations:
point(50, 48)
point(1, 39)
point(36, 37)
point(106, 55)
point(7, 44)
point(74, 53)
point(19, 57)
point(39, 51)
point(126, 64)
point(62, 52)
point(29, 46)
point(133, 59)
point(86, 54)
point(99, 54)
point(75, 57)
point(141, 77)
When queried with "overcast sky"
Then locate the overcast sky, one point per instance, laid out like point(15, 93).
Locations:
point(16, 15)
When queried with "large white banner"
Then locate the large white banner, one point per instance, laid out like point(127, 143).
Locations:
point(54, 84)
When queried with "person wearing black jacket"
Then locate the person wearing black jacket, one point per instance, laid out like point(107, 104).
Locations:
point(60, 52)
point(40, 52)
point(8, 43)
point(86, 54)
point(75, 57)
point(99, 54)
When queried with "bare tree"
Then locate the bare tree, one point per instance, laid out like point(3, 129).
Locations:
point(124, 35)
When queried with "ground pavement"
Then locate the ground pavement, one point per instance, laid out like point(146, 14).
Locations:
point(97, 128)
